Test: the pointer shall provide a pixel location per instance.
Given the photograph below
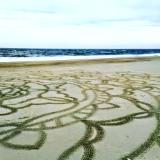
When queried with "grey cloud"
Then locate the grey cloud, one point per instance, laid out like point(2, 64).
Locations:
point(37, 11)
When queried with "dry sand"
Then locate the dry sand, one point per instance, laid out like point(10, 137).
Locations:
point(90, 110)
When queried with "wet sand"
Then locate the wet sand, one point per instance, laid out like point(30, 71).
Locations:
point(91, 110)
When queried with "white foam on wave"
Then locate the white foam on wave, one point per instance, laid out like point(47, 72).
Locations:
point(64, 58)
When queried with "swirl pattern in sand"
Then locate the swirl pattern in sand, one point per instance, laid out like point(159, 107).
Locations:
point(38, 102)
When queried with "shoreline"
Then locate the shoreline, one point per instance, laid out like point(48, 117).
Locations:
point(58, 60)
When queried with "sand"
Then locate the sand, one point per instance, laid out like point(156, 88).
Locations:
point(90, 110)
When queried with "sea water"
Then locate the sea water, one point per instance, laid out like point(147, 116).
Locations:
point(29, 54)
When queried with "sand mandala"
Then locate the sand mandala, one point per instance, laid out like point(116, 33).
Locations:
point(38, 102)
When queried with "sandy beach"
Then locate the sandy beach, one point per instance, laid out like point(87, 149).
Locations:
point(97, 109)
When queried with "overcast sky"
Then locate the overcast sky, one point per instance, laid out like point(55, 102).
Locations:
point(80, 23)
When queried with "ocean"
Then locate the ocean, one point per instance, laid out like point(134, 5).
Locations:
point(20, 55)
point(15, 52)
